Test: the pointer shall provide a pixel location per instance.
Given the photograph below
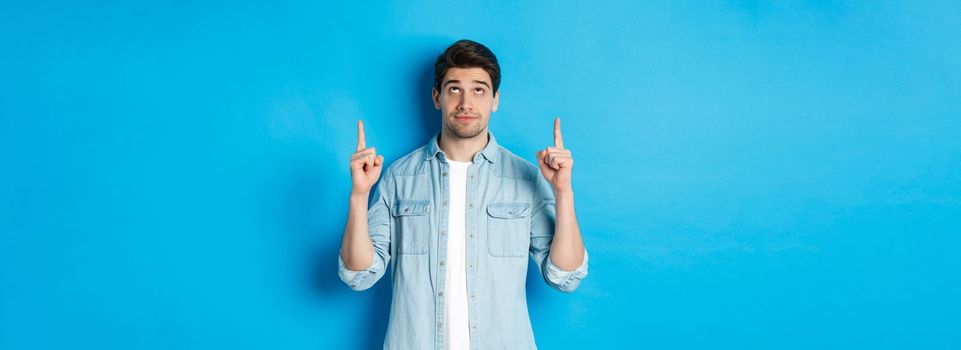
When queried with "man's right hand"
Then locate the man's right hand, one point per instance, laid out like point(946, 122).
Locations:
point(365, 165)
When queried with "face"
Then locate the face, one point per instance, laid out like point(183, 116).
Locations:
point(466, 101)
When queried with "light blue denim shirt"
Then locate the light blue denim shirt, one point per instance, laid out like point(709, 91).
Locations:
point(510, 216)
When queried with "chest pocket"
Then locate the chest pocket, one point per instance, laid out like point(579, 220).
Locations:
point(508, 229)
point(412, 226)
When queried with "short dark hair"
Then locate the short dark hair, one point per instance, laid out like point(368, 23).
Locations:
point(467, 54)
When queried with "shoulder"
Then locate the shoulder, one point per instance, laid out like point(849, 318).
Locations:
point(513, 166)
point(413, 163)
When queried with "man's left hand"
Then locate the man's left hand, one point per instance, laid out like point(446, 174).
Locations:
point(556, 162)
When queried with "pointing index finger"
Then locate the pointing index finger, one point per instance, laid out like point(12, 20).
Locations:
point(558, 140)
point(361, 143)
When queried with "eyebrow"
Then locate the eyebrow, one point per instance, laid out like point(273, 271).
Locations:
point(476, 81)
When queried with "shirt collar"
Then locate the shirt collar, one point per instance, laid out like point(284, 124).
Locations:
point(489, 152)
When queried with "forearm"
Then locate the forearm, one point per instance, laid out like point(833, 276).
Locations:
point(356, 249)
point(567, 248)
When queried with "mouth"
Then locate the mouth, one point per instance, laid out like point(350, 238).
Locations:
point(465, 118)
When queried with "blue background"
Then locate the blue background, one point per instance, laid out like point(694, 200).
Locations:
point(750, 174)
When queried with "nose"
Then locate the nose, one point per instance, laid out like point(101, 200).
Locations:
point(465, 104)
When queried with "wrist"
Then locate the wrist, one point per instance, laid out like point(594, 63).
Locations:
point(565, 193)
point(356, 197)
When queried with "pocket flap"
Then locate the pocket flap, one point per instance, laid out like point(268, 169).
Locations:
point(411, 207)
point(509, 210)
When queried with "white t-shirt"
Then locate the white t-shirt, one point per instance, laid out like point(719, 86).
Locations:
point(455, 296)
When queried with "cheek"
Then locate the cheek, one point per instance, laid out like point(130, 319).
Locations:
point(443, 103)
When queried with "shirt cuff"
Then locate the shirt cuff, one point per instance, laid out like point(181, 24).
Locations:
point(565, 278)
point(355, 279)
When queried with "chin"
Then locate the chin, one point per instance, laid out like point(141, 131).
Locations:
point(466, 133)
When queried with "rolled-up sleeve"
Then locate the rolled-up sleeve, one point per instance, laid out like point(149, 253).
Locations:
point(378, 226)
point(543, 220)
point(566, 280)
point(360, 280)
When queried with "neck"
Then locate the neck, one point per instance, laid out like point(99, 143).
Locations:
point(462, 149)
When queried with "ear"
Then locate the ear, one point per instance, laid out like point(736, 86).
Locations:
point(435, 95)
point(497, 98)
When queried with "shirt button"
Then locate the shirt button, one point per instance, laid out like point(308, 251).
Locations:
point(445, 173)
point(442, 263)
point(470, 205)
point(443, 232)
point(471, 235)
point(440, 294)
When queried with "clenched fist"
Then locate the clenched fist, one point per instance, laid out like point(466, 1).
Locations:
point(556, 162)
point(365, 165)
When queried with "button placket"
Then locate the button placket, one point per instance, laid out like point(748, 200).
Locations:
point(445, 209)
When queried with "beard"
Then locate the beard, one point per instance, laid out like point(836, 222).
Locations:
point(465, 131)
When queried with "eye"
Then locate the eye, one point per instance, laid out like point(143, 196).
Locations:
point(479, 91)
point(454, 90)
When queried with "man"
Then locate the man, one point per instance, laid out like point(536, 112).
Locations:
point(458, 218)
